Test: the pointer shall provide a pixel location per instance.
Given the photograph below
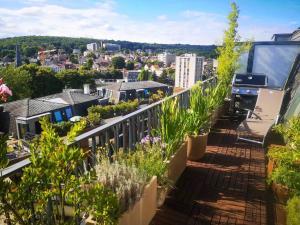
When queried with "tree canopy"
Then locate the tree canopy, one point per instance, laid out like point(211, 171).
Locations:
point(118, 62)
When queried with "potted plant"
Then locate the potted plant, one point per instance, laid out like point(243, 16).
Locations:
point(198, 123)
point(293, 209)
point(171, 131)
point(135, 190)
point(284, 161)
point(148, 158)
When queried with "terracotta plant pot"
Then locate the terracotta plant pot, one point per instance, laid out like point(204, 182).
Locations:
point(196, 146)
point(281, 192)
point(177, 163)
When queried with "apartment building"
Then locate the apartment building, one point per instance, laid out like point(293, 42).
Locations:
point(93, 47)
point(189, 69)
point(166, 58)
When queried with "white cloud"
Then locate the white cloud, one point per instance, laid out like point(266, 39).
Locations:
point(104, 22)
point(162, 17)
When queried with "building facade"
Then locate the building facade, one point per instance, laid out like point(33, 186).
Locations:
point(189, 70)
point(166, 58)
point(93, 47)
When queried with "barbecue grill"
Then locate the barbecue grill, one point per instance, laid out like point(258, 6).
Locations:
point(245, 88)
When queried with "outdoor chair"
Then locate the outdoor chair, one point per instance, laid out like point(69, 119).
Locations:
point(265, 114)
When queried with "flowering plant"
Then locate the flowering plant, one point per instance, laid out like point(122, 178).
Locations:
point(4, 91)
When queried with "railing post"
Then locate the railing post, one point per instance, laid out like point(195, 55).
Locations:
point(130, 133)
point(116, 136)
point(125, 135)
point(94, 146)
point(143, 125)
point(149, 121)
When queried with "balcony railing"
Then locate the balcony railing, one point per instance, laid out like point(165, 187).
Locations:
point(124, 132)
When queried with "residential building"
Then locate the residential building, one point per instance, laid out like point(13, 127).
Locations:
point(294, 36)
point(76, 51)
point(166, 58)
point(111, 47)
point(189, 70)
point(155, 69)
point(93, 47)
point(124, 91)
point(21, 117)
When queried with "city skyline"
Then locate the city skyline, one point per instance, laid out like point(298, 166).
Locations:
point(188, 22)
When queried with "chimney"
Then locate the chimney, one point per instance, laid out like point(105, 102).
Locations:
point(86, 89)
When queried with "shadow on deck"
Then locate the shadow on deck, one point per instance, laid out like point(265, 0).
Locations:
point(227, 186)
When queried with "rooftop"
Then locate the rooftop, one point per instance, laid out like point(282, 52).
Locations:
point(31, 107)
point(126, 86)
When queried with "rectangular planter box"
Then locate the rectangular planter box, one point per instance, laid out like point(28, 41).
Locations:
point(143, 210)
point(177, 163)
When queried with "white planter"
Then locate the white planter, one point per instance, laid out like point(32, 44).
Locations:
point(143, 210)
point(177, 163)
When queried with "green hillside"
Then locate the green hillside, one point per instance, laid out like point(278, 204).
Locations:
point(31, 44)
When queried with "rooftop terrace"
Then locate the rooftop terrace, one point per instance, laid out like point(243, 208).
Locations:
point(227, 186)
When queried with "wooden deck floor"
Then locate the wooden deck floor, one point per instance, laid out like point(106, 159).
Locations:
point(227, 186)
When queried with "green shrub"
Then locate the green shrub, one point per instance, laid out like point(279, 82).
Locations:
point(63, 127)
point(94, 118)
point(291, 132)
point(293, 211)
point(103, 204)
point(287, 158)
point(110, 111)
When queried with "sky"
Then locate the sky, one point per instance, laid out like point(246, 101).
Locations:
point(153, 21)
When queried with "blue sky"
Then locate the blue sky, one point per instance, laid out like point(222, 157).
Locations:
point(160, 21)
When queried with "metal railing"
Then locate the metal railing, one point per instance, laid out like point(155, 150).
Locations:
point(123, 132)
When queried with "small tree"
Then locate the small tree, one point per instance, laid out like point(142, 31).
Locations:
point(130, 65)
point(118, 62)
point(230, 50)
point(51, 174)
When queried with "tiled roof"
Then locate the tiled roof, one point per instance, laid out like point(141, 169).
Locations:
point(69, 97)
point(31, 107)
point(125, 86)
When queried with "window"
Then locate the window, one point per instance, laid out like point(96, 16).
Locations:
point(58, 116)
point(69, 113)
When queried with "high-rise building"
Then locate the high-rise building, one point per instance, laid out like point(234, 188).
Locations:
point(18, 56)
point(189, 70)
point(93, 47)
point(166, 58)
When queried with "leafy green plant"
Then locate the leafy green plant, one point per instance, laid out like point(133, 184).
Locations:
point(293, 209)
point(94, 118)
point(109, 111)
point(172, 125)
point(51, 174)
point(103, 204)
point(291, 132)
point(199, 113)
point(7, 206)
point(231, 49)
point(126, 181)
point(63, 127)
point(287, 158)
